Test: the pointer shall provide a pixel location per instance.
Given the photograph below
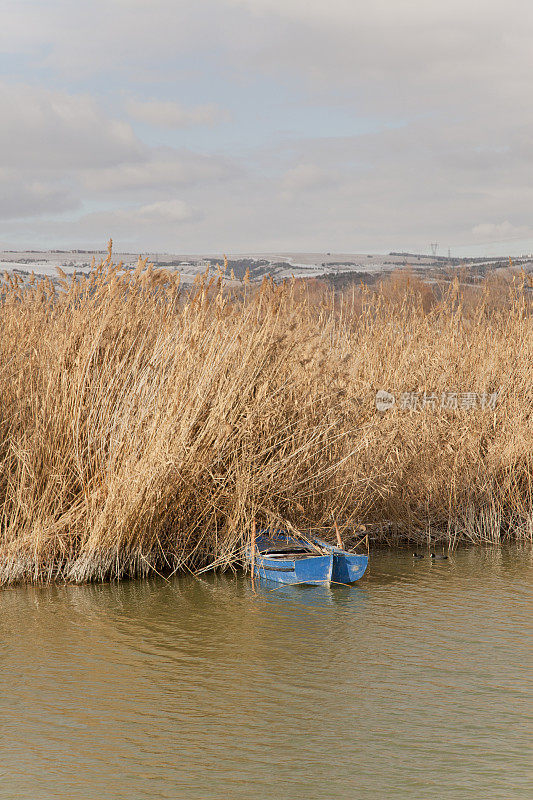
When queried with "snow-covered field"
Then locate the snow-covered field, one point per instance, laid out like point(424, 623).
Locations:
point(279, 265)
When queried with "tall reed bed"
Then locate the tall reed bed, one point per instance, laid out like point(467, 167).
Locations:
point(144, 427)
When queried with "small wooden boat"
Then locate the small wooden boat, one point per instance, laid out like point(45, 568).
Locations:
point(286, 559)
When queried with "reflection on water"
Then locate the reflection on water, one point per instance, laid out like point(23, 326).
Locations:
point(414, 683)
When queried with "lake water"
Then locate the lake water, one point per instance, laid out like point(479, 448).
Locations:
point(414, 683)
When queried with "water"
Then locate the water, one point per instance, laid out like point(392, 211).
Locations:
point(415, 683)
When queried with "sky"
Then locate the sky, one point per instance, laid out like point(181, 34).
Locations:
point(210, 126)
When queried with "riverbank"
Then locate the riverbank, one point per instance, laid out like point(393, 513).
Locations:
point(144, 427)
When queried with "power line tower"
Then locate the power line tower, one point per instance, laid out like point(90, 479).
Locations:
point(434, 248)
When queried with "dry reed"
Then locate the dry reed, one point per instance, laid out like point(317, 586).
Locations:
point(145, 428)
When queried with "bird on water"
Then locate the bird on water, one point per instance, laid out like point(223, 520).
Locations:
point(436, 556)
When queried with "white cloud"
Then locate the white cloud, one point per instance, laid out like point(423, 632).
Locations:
point(174, 115)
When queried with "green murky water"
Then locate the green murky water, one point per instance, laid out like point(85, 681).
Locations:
point(415, 683)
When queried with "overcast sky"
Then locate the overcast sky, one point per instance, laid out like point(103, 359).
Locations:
point(263, 125)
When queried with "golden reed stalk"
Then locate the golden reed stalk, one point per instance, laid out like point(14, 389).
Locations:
point(144, 428)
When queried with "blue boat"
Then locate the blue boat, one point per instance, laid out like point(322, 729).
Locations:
point(284, 559)
point(287, 559)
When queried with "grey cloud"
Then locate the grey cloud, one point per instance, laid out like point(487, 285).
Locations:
point(163, 168)
point(308, 177)
point(163, 212)
point(167, 114)
point(501, 230)
point(21, 197)
point(409, 56)
point(458, 75)
point(56, 130)
point(135, 39)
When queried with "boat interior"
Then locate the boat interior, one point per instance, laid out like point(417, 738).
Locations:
point(290, 550)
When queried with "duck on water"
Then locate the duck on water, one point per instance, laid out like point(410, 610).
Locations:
point(436, 556)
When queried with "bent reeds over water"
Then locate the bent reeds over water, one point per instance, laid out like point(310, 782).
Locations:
point(144, 428)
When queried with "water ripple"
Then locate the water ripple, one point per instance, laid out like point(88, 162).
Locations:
point(413, 683)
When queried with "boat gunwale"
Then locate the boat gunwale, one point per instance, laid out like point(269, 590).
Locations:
point(289, 556)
